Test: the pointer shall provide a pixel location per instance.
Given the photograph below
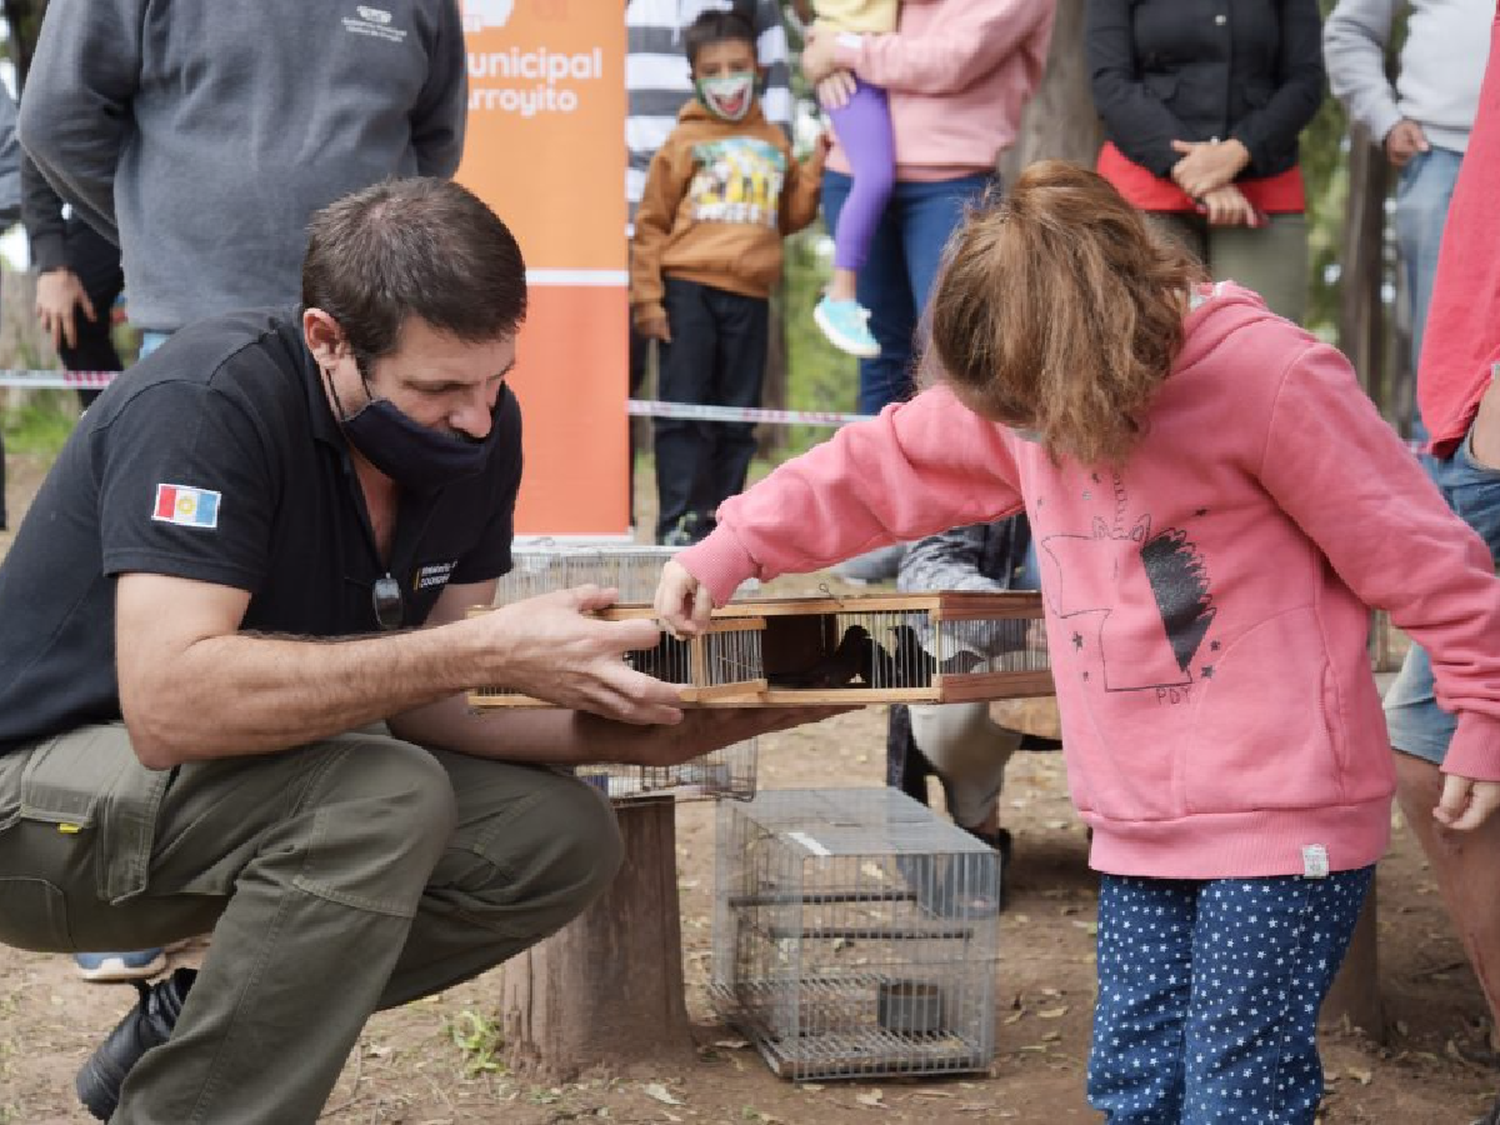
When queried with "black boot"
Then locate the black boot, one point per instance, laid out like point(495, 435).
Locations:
point(1001, 842)
point(148, 1025)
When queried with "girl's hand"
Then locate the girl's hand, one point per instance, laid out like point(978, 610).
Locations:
point(654, 328)
point(1206, 165)
point(1228, 207)
point(682, 604)
point(817, 54)
point(835, 91)
point(1466, 803)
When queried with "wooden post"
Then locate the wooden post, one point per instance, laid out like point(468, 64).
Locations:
point(607, 990)
point(1356, 990)
point(1361, 312)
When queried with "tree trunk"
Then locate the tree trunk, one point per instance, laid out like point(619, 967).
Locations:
point(1060, 122)
point(607, 990)
point(23, 18)
point(1361, 313)
point(1356, 990)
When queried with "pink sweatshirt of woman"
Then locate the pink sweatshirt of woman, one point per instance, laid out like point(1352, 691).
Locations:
point(1206, 605)
point(958, 74)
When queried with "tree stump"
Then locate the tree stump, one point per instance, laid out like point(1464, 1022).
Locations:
point(1355, 994)
point(607, 990)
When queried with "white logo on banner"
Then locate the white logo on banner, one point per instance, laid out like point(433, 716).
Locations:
point(480, 14)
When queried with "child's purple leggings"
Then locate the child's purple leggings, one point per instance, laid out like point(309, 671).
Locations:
point(864, 130)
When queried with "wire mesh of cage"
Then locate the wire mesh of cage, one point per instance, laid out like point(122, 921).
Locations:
point(634, 570)
point(856, 934)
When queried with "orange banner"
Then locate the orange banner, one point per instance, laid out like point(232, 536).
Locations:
point(546, 149)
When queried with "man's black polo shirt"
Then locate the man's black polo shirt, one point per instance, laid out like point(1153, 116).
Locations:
point(218, 458)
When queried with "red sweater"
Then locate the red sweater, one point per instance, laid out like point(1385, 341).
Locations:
point(1461, 343)
point(1206, 606)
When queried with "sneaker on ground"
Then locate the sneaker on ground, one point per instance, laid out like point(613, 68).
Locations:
point(846, 324)
point(109, 968)
point(149, 1024)
point(880, 565)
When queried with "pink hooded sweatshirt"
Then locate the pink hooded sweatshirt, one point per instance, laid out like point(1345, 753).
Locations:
point(958, 73)
point(1206, 604)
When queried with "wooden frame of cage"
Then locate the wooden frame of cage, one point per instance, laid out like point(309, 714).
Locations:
point(801, 633)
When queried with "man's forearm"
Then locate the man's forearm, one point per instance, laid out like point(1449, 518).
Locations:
point(269, 693)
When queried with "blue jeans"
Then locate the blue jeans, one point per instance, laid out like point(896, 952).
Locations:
point(1422, 197)
point(897, 277)
point(1209, 993)
point(151, 339)
point(1415, 722)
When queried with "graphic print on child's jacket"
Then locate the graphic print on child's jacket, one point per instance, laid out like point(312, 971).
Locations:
point(1111, 567)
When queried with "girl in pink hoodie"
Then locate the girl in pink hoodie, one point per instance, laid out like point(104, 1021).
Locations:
point(1215, 504)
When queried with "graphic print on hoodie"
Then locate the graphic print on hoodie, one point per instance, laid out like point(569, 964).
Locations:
point(738, 180)
point(1107, 578)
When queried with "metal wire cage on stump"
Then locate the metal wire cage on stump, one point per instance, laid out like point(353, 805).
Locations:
point(631, 568)
point(856, 934)
point(634, 570)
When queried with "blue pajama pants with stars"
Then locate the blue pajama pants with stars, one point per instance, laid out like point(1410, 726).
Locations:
point(1209, 993)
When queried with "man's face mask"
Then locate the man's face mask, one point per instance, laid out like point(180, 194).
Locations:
point(416, 457)
point(727, 96)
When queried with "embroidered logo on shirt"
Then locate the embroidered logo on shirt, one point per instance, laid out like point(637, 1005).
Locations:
point(375, 22)
point(185, 506)
point(433, 574)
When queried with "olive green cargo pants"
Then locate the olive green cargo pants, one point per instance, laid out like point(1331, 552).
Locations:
point(351, 874)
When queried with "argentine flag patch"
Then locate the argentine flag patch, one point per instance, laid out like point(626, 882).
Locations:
point(186, 507)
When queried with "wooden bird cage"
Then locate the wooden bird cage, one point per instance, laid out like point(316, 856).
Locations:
point(870, 648)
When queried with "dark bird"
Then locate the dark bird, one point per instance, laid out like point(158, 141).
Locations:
point(907, 664)
point(838, 668)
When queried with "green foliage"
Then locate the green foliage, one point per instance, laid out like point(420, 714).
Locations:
point(479, 1040)
point(40, 423)
point(1325, 173)
point(819, 376)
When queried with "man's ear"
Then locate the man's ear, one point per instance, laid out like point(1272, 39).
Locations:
point(324, 337)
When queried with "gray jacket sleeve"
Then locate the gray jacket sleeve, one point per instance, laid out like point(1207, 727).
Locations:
point(1355, 38)
point(76, 110)
point(437, 121)
point(948, 560)
point(42, 216)
point(10, 162)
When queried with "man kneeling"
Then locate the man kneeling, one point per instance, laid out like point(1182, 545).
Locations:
point(232, 667)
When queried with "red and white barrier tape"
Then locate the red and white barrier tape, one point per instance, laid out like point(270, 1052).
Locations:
point(55, 380)
point(701, 413)
point(91, 380)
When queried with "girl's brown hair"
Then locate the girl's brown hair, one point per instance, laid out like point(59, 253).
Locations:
point(1060, 310)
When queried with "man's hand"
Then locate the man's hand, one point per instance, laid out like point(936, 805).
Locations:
point(1228, 207)
point(1404, 141)
point(818, 54)
point(1466, 803)
point(835, 91)
point(654, 328)
point(548, 647)
point(58, 294)
point(682, 603)
point(1206, 165)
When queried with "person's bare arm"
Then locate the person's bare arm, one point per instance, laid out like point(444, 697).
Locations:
point(193, 687)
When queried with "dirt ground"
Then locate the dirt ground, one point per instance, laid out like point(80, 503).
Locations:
point(428, 1063)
